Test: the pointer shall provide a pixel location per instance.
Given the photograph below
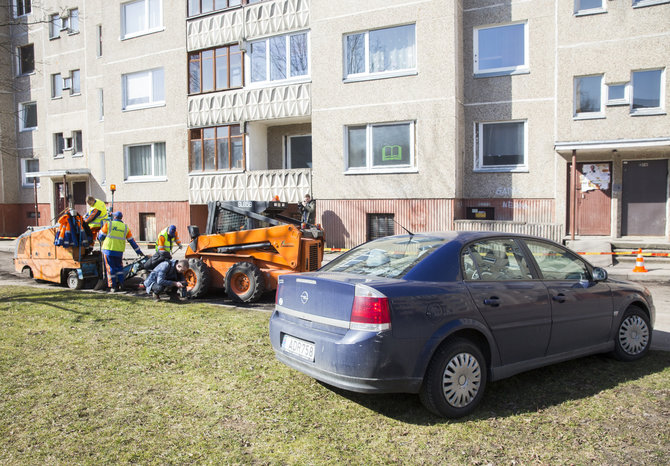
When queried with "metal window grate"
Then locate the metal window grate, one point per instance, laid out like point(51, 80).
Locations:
point(228, 221)
point(380, 225)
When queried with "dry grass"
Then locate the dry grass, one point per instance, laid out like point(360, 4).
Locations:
point(89, 378)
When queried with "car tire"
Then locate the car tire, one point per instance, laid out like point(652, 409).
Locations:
point(633, 336)
point(73, 281)
point(198, 278)
point(244, 282)
point(455, 380)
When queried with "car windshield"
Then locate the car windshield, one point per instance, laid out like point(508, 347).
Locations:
point(389, 257)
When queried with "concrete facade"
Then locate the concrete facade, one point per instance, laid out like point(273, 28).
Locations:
point(439, 88)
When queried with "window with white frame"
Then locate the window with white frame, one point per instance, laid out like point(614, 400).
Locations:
point(145, 161)
point(588, 100)
point(77, 143)
point(380, 52)
point(55, 25)
point(56, 85)
point(501, 50)
point(141, 17)
point(143, 89)
point(98, 41)
point(279, 57)
point(585, 7)
point(299, 152)
point(29, 166)
point(28, 116)
point(617, 94)
point(72, 24)
point(101, 104)
point(647, 89)
point(380, 147)
point(26, 58)
point(501, 146)
point(641, 3)
point(59, 144)
point(22, 7)
point(75, 83)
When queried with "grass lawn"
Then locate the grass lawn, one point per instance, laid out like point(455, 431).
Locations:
point(92, 378)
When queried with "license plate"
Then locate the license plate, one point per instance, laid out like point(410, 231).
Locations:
point(299, 347)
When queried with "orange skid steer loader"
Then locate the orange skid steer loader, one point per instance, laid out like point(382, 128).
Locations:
point(247, 246)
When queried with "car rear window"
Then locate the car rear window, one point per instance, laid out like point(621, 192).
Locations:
point(390, 257)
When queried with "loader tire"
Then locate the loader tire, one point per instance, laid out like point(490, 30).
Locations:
point(197, 278)
point(73, 281)
point(245, 282)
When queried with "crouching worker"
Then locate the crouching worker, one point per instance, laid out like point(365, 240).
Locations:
point(114, 235)
point(167, 277)
point(164, 247)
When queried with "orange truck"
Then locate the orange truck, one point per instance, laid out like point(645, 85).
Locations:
point(247, 246)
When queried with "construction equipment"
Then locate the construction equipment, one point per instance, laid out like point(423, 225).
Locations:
point(247, 246)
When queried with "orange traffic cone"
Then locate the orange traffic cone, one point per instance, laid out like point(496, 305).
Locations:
point(639, 262)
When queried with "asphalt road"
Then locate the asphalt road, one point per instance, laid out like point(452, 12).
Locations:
point(660, 292)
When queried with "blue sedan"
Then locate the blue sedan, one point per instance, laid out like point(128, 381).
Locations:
point(441, 314)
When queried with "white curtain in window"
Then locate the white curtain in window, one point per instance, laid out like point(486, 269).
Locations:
point(134, 17)
point(139, 160)
point(392, 49)
point(159, 159)
point(138, 88)
point(158, 86)
point(154, 13)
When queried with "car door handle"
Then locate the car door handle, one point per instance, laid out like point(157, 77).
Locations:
point(493, 301)
point(560, 297)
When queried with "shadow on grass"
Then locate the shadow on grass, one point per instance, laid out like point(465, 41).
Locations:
point(524, 393)
point(55, 300)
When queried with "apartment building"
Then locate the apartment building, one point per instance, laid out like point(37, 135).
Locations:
point(545, 117)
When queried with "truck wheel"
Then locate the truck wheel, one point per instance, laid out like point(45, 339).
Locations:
point(73, 280)
point(197, 278)
point(244, 282)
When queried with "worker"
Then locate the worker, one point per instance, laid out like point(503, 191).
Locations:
point(307, 209)
point(166, 277)
point(114, 235)
point(95, 214)
point(166, 240)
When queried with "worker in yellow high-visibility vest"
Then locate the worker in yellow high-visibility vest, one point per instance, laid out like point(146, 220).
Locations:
point(114, 235)
point(96, 214)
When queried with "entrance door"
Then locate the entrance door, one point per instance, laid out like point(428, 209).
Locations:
point(594, 198)
point(79, 196)
point(644, 199)
point(60, 200)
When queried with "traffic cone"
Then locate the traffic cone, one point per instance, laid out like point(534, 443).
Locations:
point(639, 262)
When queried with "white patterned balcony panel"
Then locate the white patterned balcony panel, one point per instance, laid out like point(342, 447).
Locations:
point(262, 20)
point(266, 103)
point(257, 185)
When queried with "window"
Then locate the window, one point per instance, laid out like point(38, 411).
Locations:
point(143, 89)
point(588, 96)
point(141, 17)
point(77, 143)
point(215, 70)
point(557, 263)
point(647, 90)
point(381, 52)
point(23, 7)
point(495, 260)
point(196, 7)
point(217, 148)
point(98, 32)
point(279, 57)
point(75, 84)
point(617, 94)
point(55, 25)
point(73, 21)
point(501, 50)
point(26, 59)
point(28, 116)
point(501, 146)
point(586, 7)
point(642, 3)
point(101, 105)
point(380, 225)
point(56, 86)
point(59, 144)
point(145, 161)
point(386, 147)
point(299, 152)
point(29, 166)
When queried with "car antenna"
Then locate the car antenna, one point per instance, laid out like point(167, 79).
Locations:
point(409, 232)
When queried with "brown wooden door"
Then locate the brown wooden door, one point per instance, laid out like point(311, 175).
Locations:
point(644, 197)
point(594, 199)
point(79, 195)
point(59, 196)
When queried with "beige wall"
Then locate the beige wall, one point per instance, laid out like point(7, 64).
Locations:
point(428, 98)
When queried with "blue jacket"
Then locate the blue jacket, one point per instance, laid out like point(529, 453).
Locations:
point(165, 274)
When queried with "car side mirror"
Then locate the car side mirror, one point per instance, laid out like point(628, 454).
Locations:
point(599, 274)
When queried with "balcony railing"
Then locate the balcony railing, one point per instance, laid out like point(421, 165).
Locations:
point(258, 185)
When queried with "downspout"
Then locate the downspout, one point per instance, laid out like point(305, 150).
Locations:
point(573, 190)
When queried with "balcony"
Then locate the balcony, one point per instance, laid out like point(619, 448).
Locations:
point(259, 185)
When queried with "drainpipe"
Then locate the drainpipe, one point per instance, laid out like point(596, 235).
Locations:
point(573, 188)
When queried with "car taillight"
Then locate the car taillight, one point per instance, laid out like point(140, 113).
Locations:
point(370, 311)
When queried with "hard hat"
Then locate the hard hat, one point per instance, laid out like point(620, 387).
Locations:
point(117, 215)
point(172, 230)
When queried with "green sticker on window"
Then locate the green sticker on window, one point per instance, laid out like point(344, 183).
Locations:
point(391, 153)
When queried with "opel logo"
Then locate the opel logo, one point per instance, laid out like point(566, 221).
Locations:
point(304, 297)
